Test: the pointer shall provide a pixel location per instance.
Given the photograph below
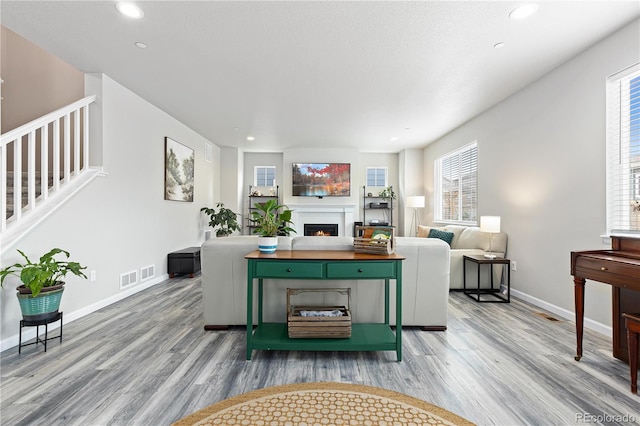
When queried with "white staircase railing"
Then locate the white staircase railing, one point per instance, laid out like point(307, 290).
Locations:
point(40, 157)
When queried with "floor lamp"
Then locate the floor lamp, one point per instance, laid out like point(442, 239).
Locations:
point(416, 202)
point(490, 224)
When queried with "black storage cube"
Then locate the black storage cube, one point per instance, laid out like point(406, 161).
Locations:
point(185, 261)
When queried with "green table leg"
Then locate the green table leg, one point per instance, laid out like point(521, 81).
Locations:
point(386, 301)
point(399, 311)
point(260, 294)
point(249, 310)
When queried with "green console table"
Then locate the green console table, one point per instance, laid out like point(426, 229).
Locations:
point(324, 265)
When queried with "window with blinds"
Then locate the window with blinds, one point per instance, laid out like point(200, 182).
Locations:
point(377, 176)
point(456, 186)
point(623, 152)
point(264, 175)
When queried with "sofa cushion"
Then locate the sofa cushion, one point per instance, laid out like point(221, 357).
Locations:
point(443, 235)
point(457, 231)
point(423, 231)
point(322, 243)
point(473, 238)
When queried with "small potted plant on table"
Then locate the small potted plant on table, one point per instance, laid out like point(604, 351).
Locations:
point(42, 283)
point(271, 220)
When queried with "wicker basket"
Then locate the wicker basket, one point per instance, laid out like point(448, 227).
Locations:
point(318, 327)
point(374, 239)
point(44, 303)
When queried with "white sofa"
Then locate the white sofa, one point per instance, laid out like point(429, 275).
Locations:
point(425, 282)
point(469, 240)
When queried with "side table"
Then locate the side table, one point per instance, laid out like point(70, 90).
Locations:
point(493, 292)
point(37, 323)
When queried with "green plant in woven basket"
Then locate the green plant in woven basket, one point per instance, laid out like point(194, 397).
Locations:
point(48, 271)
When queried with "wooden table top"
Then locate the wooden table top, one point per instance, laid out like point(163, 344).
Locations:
point(321, 255)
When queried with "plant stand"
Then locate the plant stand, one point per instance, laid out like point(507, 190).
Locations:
point(37, 324)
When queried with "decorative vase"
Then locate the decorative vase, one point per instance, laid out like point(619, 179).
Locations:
point(42, 307)
point(267, 244)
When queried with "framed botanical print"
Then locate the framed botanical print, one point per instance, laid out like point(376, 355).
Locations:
point(178, 171)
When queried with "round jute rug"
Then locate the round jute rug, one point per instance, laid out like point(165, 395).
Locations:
point(307, 404)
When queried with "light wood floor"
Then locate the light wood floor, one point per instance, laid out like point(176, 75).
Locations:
point(147, 361)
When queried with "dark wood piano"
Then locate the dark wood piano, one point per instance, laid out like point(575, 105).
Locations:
point(619, 267)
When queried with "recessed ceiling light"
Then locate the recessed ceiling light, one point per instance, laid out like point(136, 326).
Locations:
point(499, 45)
point(524, 11)
point(393, 139)
point(129, 9)
point(140, 44)
point(251, 138)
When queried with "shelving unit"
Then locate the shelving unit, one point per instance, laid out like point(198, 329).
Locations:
point(256, 199)
point(381, 211)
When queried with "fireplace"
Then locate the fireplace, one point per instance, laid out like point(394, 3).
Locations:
point(321, 229)
point(312, 214)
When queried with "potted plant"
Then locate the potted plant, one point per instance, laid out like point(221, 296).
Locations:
point(224, 220)
point(271, 220)
point(42, 283)
point(387, 193)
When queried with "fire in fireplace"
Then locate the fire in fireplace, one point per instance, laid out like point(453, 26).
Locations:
point(320, 229)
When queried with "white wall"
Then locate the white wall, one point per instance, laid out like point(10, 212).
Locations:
point(541, 156)
point(391, 162)
point(411, 169)
point(251, 160)
point(121, 222)
point(231, 180)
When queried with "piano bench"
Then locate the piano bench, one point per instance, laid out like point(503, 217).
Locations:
point(632, 323)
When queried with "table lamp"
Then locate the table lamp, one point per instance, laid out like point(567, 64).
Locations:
point(490, 224)
point(416, 202)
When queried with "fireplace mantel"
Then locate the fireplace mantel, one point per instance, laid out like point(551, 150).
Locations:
point(309, 213)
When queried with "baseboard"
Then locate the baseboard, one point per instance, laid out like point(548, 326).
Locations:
point(30, 332)
point(564, 313)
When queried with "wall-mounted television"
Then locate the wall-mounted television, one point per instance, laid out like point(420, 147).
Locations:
point(321, 179)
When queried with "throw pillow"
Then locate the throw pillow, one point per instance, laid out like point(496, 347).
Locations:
point(443, 235)
point(423, 231)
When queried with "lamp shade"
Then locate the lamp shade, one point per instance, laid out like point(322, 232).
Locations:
point(417, 201)
point(490, 223)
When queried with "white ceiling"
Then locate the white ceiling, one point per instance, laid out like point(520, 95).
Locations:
point(319, 73)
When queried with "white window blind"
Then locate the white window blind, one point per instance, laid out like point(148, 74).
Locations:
point(377, 176)
point(456, 186)
point(623, 152)
point(264, 175)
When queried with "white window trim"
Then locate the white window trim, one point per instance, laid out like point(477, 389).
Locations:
point(386, 176)
point(437, 181)
point(255, 174)
point(619, 165)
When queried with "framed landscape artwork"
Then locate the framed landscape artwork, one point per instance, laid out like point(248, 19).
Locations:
point(178, 171)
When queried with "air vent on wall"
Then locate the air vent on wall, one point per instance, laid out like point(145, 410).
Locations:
point(208, 152)
point(128, 279)
point(147, 272)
